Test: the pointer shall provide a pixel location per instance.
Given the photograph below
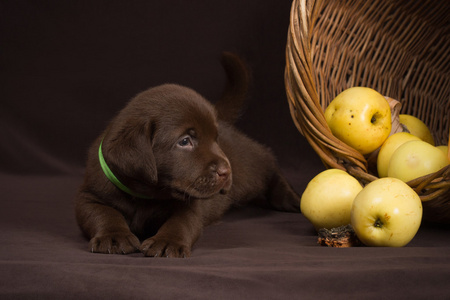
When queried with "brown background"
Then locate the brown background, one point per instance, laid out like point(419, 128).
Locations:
point(68, 66)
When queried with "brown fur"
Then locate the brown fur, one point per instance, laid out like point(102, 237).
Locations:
point(169, 144)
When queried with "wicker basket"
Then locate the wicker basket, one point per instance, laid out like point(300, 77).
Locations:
point(399, 48)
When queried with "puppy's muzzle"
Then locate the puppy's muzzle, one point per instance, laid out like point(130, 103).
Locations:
point(222, 174)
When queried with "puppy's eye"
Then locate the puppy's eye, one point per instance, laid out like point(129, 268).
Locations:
point(185, 142)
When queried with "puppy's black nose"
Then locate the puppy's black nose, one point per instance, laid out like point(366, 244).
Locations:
point(223, 171)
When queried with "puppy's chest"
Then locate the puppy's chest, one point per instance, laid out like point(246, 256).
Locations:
point(144, 220)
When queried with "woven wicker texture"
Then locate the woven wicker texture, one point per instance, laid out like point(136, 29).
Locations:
point(399, 48)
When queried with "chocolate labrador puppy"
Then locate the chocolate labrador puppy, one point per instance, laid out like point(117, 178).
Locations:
point(171, 163)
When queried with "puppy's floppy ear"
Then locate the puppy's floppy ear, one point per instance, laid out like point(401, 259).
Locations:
point(127, 149)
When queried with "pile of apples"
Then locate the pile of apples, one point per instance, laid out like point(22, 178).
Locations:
point(387, 211)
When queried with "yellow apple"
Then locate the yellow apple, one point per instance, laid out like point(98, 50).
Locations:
point(387, 212)
point(388, 148)
point(416, 127)
point(444, 149)
point(415, 159)
point(328, 197)
point(360, 117)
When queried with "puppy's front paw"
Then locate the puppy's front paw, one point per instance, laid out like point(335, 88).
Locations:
point(115, 243)
point(159, 247)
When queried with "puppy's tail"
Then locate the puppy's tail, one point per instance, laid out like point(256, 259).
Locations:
point(234, 97)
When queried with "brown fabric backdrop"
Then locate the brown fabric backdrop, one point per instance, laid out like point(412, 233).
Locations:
point(66, 67)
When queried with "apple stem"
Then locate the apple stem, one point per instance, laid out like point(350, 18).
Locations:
point(378, 223)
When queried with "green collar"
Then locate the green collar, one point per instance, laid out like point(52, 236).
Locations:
point(110, 175)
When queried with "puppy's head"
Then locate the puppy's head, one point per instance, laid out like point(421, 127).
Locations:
point(167, 139)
